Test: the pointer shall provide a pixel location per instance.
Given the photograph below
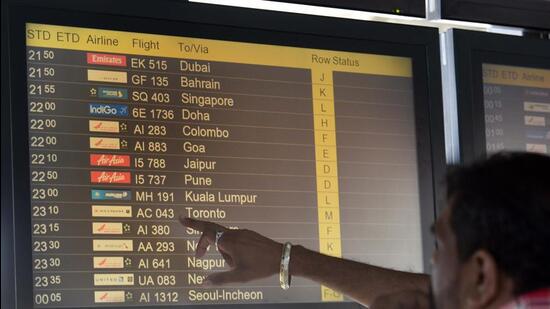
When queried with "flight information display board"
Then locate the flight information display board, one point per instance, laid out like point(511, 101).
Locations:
point(128, 131)
point(517, 108)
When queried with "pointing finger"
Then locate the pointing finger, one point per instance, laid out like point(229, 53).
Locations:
point(203, 244)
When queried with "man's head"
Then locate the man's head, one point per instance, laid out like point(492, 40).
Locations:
point(494, 237)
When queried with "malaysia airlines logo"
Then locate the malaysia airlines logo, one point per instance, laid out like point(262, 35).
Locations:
point(110, 177)
point(111, 195)
point(109, 160)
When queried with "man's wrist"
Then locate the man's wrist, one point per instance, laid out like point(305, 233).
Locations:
point(298, 260)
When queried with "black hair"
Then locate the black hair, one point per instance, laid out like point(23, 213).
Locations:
point(502, 205)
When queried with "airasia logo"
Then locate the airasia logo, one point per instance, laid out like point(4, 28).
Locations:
point(110, 177)
point(109, 160)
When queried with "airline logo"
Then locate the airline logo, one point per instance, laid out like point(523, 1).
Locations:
point(124, 245)
point(106, 59)
point(110, 228)
point(536, 121)
point(109, 297)
point(112, 93)
point(536, 107)
point(111, 211)
point(108, 262)
point(111, 195)
point(110, 177)
point(108, 110)
point(535, 134)
point(104, 143)
point(109, 160)
point(104, 126)
point(113, 279)
point(540, 148)
point(107, 76)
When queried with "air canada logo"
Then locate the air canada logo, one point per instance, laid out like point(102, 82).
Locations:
point(109, 160)
point(110, 177)
point(111, 211)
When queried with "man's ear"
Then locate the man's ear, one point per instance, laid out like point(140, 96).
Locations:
point(481, 279)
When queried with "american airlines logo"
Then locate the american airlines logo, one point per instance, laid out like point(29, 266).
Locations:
point(112, 245)
point(109, 160)
point(110, 177)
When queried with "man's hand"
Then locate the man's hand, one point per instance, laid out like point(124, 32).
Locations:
point(253, 256)
point(249, 254)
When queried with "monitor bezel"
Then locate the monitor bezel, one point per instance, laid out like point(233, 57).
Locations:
point(509, 13)
point(418, 8)
point(421, 44)
point(472, 49)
